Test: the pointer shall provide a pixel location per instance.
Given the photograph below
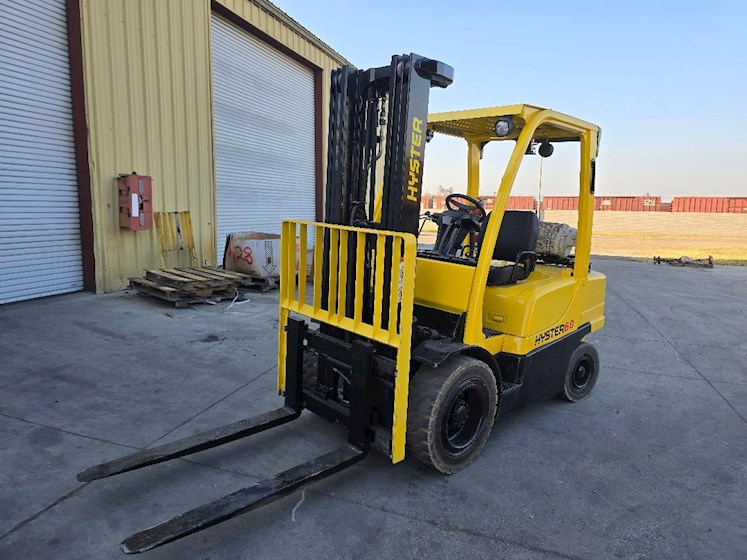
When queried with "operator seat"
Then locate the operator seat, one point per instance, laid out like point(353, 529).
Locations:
point(516, 241)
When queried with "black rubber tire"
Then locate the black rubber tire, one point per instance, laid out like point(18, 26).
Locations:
point(433, 394)
point(310, 360)
point(578, 384)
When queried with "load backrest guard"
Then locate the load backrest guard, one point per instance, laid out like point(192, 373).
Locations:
point(379, 266)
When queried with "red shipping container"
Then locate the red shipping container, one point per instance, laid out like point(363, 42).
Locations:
point(560, 203)
point(628, 203)
point(738, 205)
point(710, 204)
point(609, 203)
point(488, 201)
point(521, 203)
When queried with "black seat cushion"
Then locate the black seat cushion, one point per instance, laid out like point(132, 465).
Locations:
point(518, 234)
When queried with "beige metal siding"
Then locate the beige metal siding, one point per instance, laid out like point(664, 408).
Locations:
point(147, 88)
point(148, 107)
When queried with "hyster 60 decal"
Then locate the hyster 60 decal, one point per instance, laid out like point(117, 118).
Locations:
point(554, 332)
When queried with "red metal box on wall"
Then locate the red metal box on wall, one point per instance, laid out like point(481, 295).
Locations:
point(135, 207)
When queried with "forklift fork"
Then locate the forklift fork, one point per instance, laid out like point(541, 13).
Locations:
point(271, 489)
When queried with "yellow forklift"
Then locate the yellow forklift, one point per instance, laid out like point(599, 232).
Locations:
point(414, 350)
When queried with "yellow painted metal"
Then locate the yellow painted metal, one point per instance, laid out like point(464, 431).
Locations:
point(378, 203)
point(517, 318)
point(147, 72)
point(584, 304)
point(174, 233)
point(477, 125)
point(396, 333)
point(473, 169)
point(525, 308)
point(443, 285)
point(551, 296)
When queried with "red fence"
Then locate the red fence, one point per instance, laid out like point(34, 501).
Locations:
point(711, 204)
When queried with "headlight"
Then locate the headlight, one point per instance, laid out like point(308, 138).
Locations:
point(504, 126)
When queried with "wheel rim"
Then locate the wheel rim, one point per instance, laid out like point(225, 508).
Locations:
point(582, 374)
point(465, 417)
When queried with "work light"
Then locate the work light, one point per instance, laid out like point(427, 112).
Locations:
point(504, 126)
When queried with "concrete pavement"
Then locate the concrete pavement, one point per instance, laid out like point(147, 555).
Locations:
point(653, 465)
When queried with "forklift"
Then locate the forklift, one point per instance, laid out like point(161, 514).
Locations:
point(413, 349)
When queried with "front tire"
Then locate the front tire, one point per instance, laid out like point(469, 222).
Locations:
point(582, 373)
point(451, 412)
point(310, 368)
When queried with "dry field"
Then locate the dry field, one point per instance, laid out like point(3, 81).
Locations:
point(647, 234)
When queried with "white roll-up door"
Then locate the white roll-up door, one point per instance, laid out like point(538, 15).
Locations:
point(264, 134)
point(40, 250)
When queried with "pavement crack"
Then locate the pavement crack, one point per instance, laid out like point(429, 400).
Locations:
point(55, 428)
point(41, 512)
point(220, 400)
point(644, 372)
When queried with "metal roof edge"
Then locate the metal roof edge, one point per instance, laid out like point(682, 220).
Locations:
point(301, 30)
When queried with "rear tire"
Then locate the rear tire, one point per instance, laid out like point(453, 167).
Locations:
point(582, 374)
point(451, 412)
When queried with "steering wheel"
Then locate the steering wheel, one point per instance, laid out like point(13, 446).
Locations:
point(476, 207)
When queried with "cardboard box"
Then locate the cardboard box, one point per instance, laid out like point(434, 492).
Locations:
point(258, 254)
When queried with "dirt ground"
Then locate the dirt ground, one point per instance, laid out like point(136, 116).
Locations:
point(649, 234)
point(645, 234)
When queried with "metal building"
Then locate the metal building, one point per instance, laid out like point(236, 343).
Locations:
point(222, 103)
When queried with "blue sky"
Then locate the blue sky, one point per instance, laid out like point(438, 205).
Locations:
point(666, 81)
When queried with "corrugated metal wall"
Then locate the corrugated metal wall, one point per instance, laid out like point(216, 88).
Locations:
point(438, 202)
point(260, 16)
point(40, 248)
point(264, 124)
point(710, 204)
point(646, 203)
point(147, 88)
point(148, 106)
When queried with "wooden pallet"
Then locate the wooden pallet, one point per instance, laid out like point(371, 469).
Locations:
point(261, 284)
point(186, 286)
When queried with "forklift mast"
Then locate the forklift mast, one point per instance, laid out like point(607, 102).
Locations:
point(376, 146)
